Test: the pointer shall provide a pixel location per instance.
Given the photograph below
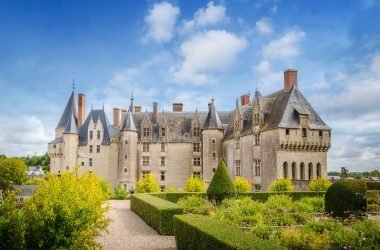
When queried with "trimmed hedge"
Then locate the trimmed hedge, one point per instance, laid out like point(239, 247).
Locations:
point(221, 186)
point(174, 197)
point(263, 196)
point(156, 212)
point(373, 185)
point(202, 232)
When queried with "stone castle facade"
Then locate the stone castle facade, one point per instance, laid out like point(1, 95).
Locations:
point(263, 139)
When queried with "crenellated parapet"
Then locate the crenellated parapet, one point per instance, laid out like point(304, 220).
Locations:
point(303, 146)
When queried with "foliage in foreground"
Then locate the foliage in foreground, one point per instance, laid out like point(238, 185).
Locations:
point(120, 192)
point(221, 185)
point(242, 185)
point(194, 184)
point(148, 184)
point(320, 184)
point(196, 204)
point(281, 185)
point(12, 172)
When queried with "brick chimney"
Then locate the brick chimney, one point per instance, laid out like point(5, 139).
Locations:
point(244, 100)
point(81, 109)
point(177, 107)
point(154, 114)
point(137, 109)
point(116, 117)
point(290, 79)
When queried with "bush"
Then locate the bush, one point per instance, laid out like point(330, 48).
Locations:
point(156, 212)
point(194, 184)
point(202, 232)
point(281, 185)
point(121, 192)
point(12, 172)
point(171, 189)
point(196, 205)
point(148, 184)
point(310, 205)
point(320, 184)
point(373, 185)
point(263, 196)
point(174, 197)
point(221, 185)
point(345, 197)
point(242, 185)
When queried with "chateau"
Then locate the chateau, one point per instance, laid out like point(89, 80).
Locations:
point(269, 137)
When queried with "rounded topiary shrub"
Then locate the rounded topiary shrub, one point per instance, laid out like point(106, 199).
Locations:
point(346, 197)
point(221, 185)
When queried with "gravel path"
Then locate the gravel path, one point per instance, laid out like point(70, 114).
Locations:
point(128, 231)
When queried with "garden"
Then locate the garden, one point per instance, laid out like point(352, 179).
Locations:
point(343, 215)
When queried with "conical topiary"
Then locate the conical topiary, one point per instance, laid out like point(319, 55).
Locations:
point(221, 185)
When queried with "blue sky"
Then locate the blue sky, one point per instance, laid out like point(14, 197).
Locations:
point(190, 51)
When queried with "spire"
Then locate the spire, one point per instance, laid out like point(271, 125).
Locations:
point(71, 126)
point(70, 110)
point(212, 119)
point(131, 106)
point(237, 103)
point(129, 124)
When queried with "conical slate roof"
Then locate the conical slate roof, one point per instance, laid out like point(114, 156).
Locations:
point(128, 123)
point(212, 119)
point(70, 110)
point(71, 127)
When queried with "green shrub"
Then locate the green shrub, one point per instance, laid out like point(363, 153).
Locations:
point(196, 205)
point(346, 197)
point(221, 185)
point(148, 184)
point(310, 204)
point(174, 197)
point(320, 184)
point(120, 192)
point(202, 232)
point(373, 185)
point(263, 196)
point(242, 185)
point(281, 185)
point(171, 189)
point(156, 212)
point(194, 184)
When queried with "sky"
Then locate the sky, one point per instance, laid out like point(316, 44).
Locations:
point(190, 52)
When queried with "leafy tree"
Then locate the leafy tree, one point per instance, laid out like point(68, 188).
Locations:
point(171, 189)
point(281, 185)
point(194, 184)
point(320, 184)
point(66, 212)
point(221, 185)
point(374, 173)
point(242, 185)
point(148, 184)
point(120, 192)
point(12, 171)
point(2, 157)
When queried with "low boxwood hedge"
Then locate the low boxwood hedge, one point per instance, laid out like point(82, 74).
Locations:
point(373, 185)
point(202, 232)
point(174, 197)
point(263, 196)
point(156, 212)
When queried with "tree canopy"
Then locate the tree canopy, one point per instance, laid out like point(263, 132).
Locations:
point(12, 172)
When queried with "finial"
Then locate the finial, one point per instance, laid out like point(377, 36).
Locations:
point(237, 102)
point(91, 106)
point(103, 106)
point(212, 99)
point(73, 81)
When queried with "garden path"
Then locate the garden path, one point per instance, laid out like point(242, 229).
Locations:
point(128, 231)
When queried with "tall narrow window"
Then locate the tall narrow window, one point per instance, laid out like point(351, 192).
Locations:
point(287, 132)
point(163, 132)
point(197, 161)
point(302, 171)
point(145, 146)
point(162, 146)
point(304, 132)
point(196, 147)
point(98, 134)
point(311, 175)
point(285, 170)
point(162, 175)
point(319, 170)
point(90, 149)
point(125, 170)
point(90, 162)
point(162, 160)
point(196, 131)
point(145, 160)
point(294, 171)
point(91, 135)
point(237, 168)
point(98, 148)
point(237, 143)
point(257, 167)
point(257, 139)
point(320, 133)
point(146, 132)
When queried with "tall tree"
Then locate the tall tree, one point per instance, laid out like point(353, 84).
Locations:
point(12, 171)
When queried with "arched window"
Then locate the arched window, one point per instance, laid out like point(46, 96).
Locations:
point(319, 170)
point(310, 171)
point(294, 171)
point(285, 170)
point(302, 171)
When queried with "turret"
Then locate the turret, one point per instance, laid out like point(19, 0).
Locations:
point(70, 142)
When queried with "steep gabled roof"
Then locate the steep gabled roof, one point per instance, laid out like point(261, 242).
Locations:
point(212, 120)
point(71, 127)
point(95, 115)
point(128, 123)
point(70, 110)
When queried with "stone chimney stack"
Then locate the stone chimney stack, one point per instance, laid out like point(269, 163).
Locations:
point(81, 109)
point(137, 109)
point(290, 79)
point(116, 117)
point(154, 114)
point(177, 107)
point(244, 100)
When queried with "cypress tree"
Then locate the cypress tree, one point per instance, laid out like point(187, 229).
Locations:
point(222, 185)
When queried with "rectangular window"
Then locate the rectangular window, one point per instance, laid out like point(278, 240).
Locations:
point(238, 168)
point(126, 141)
point(162, 161)
point(125, 170)
point(98, 148)
point(162, 188)
point(125, 156)
point(287, 131)
point(145, 146)
point(90, 162)
point(145, 160)
point(197, 174)
point(163, 132)
point(257, 167)
point(213, 141)
point(82, 163)
point(146, 132)
point(196, 147)
point(90, 149)
point(237, 143)
point(91, 135)
point(257, 139)
point(145, 172)
point(304, 132)
point(197, 161)
point(98, 135)
point(257, 187)
point(320, 133)
point(214, 154)
point(162, 175)
point(162, 147)
point(54, 146)
point(196, 131)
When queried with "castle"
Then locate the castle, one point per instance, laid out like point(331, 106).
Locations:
point(269, 137)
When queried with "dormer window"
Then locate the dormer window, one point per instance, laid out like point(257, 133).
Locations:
point(287, 132)
point(304, 132)
point(237, 125)
point(146, 132)
point(237, 143)
point(98, 134)
point(256, 118)
point(163, 132)
point(91, 135)
point(320, 133)
point(145, 146)
point(196, 131)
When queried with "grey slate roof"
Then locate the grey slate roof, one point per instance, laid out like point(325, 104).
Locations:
point(127, 122)
point(24, 190)
point(71, 126)
point(70, 109)
point(95, 115)
point(56, 140)
point(212, 120)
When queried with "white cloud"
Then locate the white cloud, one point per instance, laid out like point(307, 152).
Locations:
point(284, 47)
point(264, 26)
point(213, 14)
point(161, 20)
point(205, 52)
point(263, 66)
point(368, 4)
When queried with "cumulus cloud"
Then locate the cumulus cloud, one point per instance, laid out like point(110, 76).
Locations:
point(212, 14)
point(207, 52)
point(161, 20)
point(264, 26)
point(284, 47)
